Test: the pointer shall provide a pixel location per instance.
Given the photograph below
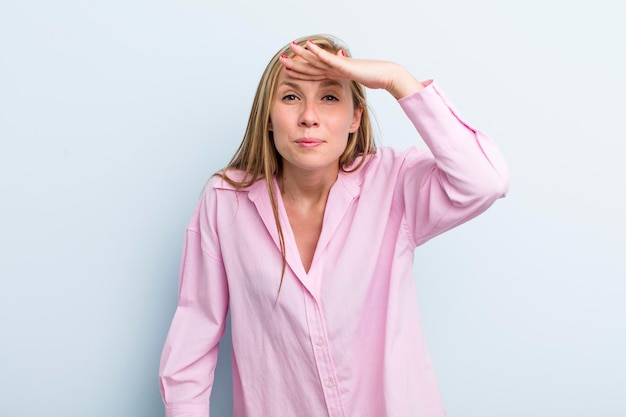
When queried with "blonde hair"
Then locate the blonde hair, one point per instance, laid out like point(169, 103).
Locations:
point(257, 156)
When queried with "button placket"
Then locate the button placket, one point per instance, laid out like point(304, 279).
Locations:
point(323, 360)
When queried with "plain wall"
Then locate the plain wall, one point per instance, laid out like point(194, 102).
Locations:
point(113, 114)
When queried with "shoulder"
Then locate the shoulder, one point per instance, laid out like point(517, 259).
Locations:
point(224, 180)
point(221, 197)
point(230, 180)
point(230, 185)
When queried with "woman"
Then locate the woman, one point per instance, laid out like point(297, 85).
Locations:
point(308, 237)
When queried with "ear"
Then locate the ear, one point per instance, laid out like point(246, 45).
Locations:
point(356, 120)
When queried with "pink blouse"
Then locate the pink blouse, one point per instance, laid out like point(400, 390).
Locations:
point(344, 339)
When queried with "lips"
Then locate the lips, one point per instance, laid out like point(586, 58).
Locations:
point(309, 142)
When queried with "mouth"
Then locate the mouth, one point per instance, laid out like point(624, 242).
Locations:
point(309, 142)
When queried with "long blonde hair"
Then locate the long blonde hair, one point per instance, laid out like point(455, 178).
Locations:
point(257, 156)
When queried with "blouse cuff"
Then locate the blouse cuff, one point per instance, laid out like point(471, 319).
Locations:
point(186, 410)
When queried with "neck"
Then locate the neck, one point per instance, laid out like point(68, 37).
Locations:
point(307, 187)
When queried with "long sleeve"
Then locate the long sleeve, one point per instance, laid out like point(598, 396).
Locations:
point(467, 175)
point(190, 353)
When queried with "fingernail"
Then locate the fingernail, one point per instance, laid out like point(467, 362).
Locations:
point(343, 52)
point(284, 56)
point(294, 42)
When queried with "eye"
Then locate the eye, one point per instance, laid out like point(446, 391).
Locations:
point(290, 97)
point(330, 97)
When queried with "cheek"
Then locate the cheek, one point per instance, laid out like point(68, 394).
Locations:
point(277, 123)
point(342, 125)
point(278, 135)
point(344, 119)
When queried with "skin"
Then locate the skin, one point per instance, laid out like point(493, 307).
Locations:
point(311, 115)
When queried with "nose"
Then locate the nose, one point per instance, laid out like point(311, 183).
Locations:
point(309, 117)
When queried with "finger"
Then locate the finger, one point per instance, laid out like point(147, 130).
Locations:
point(310, 54)
point(335, 63)
point(322, 55)
point(301, 52)
point(308, 76)
point(300, 66)
point(305, 77)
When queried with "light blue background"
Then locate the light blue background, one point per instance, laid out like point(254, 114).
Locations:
point(113, 114)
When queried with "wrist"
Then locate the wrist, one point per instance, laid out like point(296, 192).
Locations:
point(403, 83)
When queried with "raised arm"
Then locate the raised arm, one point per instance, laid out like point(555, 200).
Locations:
point(464, 173)
point(460, 178)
